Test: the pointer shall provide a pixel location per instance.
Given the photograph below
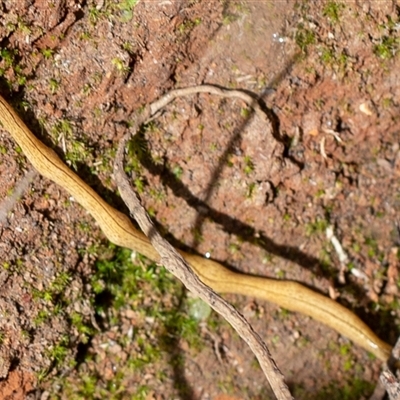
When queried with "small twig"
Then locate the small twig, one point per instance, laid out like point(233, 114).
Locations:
point(174, 262)
point(388, 382)
point(391, 384)
point(173, 94)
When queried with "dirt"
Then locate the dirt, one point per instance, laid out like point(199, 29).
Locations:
point(256, 194)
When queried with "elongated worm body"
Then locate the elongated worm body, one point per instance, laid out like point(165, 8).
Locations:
point(119, 230)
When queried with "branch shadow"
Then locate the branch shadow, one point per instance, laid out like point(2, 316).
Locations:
point(230, 224)
point(170, 343)
point(242, 230)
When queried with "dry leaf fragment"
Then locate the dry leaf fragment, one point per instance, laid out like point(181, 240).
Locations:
point(365, 109)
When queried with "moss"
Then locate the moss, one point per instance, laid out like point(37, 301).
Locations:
point(332, 10)
point(304, 38)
